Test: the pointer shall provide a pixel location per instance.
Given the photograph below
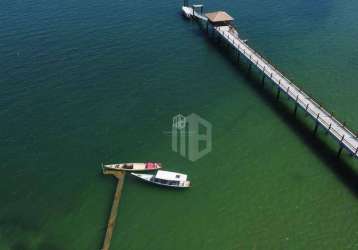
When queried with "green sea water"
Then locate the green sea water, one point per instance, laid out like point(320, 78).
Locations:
point(85, 82)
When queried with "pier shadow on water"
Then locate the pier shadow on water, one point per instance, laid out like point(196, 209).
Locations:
point(299, 124)
point(342, 169)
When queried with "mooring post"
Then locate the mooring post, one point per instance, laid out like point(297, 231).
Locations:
point(340, 147)
point(250, 65)
point(263, 79)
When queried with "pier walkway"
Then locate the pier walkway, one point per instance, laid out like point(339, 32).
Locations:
point(117, 197)
point(338, 130)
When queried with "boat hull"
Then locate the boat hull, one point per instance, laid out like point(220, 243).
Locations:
point(133, 167)
point(150, 179)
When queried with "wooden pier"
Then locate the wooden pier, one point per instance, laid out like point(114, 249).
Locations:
point(117, 197)
point(221, 26)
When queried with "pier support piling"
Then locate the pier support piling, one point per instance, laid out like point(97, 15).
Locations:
point(340, 150)
point(249, 70)
point(306, 109)
point(340, 147)
point(295, 111)
point(237, 56)
point(278, 93)
point(296, 106)
point(316, 126)
point(329, 128)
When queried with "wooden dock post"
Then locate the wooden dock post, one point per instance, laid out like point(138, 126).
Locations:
point(117, 197)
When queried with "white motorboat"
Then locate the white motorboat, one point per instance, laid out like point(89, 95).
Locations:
point(166, 178)
point(148, 166)
point(187, 11)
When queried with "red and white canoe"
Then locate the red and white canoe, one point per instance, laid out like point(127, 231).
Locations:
point(133, 167)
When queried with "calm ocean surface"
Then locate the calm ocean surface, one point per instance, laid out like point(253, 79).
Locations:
point(85, 82)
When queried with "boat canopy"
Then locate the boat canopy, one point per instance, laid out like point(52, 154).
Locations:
point(170, 176)
point(151, 165)
point(219, 17)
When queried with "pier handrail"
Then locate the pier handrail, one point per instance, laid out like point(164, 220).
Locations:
point(278, 73)
point(273, 67)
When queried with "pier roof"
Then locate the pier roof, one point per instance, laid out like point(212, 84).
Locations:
point(219, 16)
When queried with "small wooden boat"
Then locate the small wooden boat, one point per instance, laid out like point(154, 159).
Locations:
point(148, 166)
point(166, 178)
